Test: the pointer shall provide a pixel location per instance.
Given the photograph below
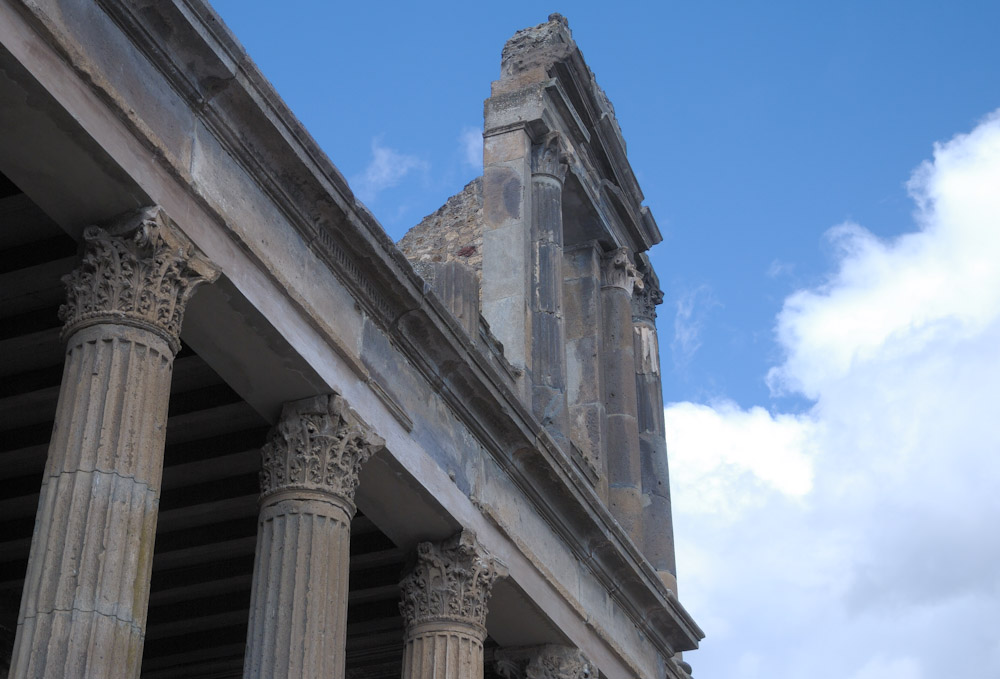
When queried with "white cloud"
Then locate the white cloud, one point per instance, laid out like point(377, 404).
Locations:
point(720, 449)
point(859, 538)
point(387, 168)
point(470, 143)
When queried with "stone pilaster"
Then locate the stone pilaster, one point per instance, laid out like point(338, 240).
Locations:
point(444, 604)
point(309, 474)
point(657, 522)
point(550, 661)
point(548, 334)
point(83, 609)
point(619, 278)
point(457, 287)
point(506, 275)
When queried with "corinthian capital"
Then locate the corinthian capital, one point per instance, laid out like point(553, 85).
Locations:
point(318, 445)
point(645, 301)
point(140, 271)
point(550, 157)
point(551, 661)
point(451, 582)
point(618, 271)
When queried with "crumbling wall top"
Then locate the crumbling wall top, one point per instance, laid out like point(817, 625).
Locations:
point(537, 46)
point(454, 233)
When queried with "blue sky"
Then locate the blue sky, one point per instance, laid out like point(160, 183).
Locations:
point(807, 361)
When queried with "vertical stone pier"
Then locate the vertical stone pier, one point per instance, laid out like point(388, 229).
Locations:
point(444, 605)
point(506, 243)
point(657, 522)
point(309, 474)
point(548, 335)
point(83, 608)
point(549, 661)
point(618, 279)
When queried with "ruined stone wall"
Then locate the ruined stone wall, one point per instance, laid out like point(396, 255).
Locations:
point(453, 233)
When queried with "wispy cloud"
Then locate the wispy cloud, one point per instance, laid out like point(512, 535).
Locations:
point(777, 269)
point(873, 515)
point(691, 310)
point(386, 169)
point(470, 143)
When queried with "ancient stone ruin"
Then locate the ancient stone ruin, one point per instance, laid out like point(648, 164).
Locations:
point(245, 434)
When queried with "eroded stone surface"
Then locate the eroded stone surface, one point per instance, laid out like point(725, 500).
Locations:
point(453, 233)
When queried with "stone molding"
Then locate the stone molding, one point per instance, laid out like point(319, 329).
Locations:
point(551, 661)
point(140, 270)
point(618, 271)
point(451, 582)
point(550, 158)
point(319, 445)
point(683, 668)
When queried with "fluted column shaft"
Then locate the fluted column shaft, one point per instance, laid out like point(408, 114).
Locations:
point(444, 605)
point(619, 277)
point(584, 379)
point(447, 650)
point(548, 335)
point(86, 591)
point(298, 605)
point(298, 618)
point(657, 521)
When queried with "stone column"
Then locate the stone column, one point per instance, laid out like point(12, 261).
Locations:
point(618, 278)
point(298, 605)
point(584, 381)
point(548, 335)
point(86, 590)
point(550, 661)
point(657, 523)
point(443, 604)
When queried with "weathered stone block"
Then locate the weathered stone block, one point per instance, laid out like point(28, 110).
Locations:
point(503, 196)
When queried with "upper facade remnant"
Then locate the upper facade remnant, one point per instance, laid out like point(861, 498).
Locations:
point(545, 85)
point(553, 236)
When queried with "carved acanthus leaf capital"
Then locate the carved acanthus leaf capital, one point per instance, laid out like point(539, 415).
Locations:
point(550, 157)
point(319, 445)
point(645, 301)
point(550, 661)
point(140, 271)
point(451, 582)
point(618, 271)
